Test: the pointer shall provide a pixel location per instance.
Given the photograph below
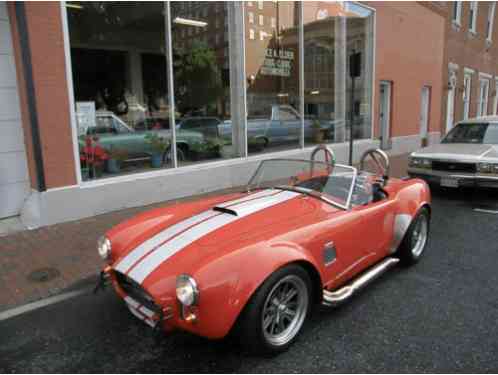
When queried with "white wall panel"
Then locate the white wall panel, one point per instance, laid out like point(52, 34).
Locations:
point(14, 185)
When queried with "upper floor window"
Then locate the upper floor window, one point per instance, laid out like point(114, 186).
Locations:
point(489, 25)
point(473, 16)
point(457, 12)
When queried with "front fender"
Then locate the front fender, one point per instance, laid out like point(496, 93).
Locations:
point(227, 284)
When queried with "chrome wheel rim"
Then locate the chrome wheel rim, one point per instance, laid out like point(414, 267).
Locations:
point(284, 310)
point(419, 236)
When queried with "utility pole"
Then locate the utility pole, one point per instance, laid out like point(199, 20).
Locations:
point(354, 71)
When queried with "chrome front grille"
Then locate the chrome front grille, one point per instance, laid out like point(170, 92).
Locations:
point(449, 166)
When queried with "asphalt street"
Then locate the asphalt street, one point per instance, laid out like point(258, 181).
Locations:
point(439, 316)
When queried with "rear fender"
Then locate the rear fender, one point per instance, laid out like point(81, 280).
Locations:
point(410, 199)
point(227, 284)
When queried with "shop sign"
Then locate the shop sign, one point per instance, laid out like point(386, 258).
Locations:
point(85, 116)
point(277, 62)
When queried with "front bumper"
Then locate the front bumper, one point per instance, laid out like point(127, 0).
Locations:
point(462, 179)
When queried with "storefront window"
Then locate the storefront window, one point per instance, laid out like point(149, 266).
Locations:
point(272, 71)
point(201, 80)
point(333, 31)
point(120, 87)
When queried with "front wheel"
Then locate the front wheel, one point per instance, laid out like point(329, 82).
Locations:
point(277, 311)
point(413, 245)
point(168, 155)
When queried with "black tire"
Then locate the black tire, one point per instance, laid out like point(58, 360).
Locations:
point(410, 250)
point(251, 333)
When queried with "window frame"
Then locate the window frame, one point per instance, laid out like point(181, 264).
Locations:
point(237, 17)
point(473, 7)
point(456, 16)
point(490, 22)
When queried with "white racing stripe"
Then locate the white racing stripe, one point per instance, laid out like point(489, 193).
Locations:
point(124, 265)
point(170, 248)
point(250, 197)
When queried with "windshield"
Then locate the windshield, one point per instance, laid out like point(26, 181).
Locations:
point(332, 184)
point(477, 133)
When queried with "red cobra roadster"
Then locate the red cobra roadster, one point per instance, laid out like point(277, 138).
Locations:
point(303, 232)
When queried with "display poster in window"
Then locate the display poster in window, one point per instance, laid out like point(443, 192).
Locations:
point(277, 62)
point(85, 116)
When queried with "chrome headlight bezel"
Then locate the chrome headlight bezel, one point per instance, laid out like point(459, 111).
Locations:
point(187, 291)
point(487, 168)
point(104, 247)
point(418, 162)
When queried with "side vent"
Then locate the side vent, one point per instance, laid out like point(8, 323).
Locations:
point(329, 253)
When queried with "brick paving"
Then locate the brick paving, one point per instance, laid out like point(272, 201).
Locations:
point(71, 249)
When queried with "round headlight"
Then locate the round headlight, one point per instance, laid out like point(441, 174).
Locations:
point(186, 290)
point(104, 247)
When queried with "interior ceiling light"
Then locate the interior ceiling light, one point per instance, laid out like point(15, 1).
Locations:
point(74, 6)
point(188, 22)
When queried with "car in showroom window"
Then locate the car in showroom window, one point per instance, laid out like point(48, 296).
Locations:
point(466, 157)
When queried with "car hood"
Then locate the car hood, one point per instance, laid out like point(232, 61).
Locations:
point(458, 151)
point(186, 245)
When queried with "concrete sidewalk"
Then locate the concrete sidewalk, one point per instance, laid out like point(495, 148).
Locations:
point(38, 263)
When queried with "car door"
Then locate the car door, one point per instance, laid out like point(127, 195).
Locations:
point(291, 122)
point(377, 228)
point(336, 245)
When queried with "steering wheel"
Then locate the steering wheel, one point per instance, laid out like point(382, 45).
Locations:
point(381, 162)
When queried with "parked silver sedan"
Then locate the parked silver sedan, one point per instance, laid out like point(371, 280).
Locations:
point(467, 156)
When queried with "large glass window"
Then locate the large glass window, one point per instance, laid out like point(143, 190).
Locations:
point(272, 73)
point(123, 93)
point(201, 79)
point(333, 32)
point(120, 87)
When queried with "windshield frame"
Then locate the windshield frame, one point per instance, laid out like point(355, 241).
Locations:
point(310, 192)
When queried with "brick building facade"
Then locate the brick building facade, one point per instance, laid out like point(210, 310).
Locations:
point(403, 73)
point(471, 72)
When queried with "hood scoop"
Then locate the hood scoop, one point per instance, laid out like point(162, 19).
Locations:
point(247, 206)
point(225, 210)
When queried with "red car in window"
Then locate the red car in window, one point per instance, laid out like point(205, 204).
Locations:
point(304, 232)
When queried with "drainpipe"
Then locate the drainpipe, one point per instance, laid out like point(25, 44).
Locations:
point(27, 67)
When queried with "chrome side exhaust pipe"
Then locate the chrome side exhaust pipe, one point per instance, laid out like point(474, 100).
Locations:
point(342, 294)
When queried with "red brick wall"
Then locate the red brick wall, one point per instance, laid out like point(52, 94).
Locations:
point(51, 95)
point(471, 51)
point(410, 40)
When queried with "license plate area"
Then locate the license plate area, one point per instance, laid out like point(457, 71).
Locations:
point(449, 182)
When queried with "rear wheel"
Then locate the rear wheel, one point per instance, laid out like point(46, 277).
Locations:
point(277, 311)
point(413, 245)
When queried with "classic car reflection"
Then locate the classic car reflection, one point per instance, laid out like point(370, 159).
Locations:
point(112, 132)
point(256, 261)
point(281, 126)
point(467, 156)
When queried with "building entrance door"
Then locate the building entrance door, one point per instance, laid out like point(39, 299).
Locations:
point(385, 114)
point(450, 109)
point(424, 115)
point(14, 185)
